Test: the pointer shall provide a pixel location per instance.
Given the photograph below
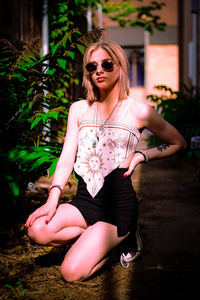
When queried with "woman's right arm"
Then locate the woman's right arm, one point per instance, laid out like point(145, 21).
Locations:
point(64, 167)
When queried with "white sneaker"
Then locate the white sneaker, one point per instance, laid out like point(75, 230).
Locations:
point(132, 254)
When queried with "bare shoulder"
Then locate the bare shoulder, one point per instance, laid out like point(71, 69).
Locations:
point(77, 110)
point(79, 105)
point(146, 114)
point(141, 109)
point(148, 117)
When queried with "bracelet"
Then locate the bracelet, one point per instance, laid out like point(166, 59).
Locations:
point(56, 186)
point(144, 155)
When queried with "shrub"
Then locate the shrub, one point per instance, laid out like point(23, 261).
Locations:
point(181, 109)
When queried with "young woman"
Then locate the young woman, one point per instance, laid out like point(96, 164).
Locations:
point(100, 143)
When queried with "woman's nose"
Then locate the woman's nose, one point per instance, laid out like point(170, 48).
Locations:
point(99, 69)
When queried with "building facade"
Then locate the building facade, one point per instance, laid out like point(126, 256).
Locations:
point(154, 59)
point(169, 57)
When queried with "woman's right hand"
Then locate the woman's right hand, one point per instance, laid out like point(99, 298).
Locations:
point(48, 210)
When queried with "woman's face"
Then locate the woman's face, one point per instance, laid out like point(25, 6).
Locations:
point(104, 80)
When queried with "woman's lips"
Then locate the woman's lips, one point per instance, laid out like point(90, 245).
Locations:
point(100, 79)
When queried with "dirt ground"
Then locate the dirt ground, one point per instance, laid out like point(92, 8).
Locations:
point(169, 202)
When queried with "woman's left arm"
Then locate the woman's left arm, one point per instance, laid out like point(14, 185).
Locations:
point(172, 140)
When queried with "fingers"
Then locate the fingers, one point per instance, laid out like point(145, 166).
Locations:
point(137, 158)
point(42, 211)
point(31, 219)
point(128, 173)
point(28, 222)
point(49, 216)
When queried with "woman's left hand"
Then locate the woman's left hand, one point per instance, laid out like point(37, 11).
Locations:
point(137, 158)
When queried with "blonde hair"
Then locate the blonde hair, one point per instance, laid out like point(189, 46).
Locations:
point(119, 58)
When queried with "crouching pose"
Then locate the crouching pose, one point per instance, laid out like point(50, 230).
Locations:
point(100, 145)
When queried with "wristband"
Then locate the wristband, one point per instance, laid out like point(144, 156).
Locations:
point(56, 186)
point(145, 156)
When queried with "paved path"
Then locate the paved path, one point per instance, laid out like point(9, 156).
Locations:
point(169, 194)
point(169, 201)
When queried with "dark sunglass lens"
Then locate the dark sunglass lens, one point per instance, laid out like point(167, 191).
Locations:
point(91, 67)
point(108, 65)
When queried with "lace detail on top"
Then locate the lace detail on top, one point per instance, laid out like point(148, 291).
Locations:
point(115, 144)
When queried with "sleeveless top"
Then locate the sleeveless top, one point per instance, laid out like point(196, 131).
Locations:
point(100, 151)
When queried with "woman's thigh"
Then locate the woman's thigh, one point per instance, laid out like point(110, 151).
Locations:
point(96, 242)
point(66, 216)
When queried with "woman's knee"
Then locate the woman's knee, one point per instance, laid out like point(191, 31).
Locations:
point(72, 272)
point(38, 233)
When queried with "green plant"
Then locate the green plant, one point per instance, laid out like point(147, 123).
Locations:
point(128, 14)
point(24, 124)
point(18, 291)
point(181, 109)
point(35, 97)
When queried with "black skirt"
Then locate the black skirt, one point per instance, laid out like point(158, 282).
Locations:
point(115, 203)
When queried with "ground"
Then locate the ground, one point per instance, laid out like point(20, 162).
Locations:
point(169, 201)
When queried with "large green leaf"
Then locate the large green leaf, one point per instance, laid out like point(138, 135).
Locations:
point(53, 114)
point(53, 166)
point(14, 186)
point(54, 49)
point(41, 161)
point(81, 48)
point(35, 122)
point(62, 63)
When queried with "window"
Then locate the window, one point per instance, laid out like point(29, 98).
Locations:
point(135, 57)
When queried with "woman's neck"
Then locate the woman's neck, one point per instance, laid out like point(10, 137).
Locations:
point(109, 97)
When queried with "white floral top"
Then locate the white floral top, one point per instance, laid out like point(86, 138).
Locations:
point(102, 151)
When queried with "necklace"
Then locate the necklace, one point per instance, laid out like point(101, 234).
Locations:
point(102, 126)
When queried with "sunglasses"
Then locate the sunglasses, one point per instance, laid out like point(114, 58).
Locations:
point(107, 65)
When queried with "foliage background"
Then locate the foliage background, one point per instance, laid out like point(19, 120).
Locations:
point(36, 92)
point(182, 110)
point(35, 96)
point(41, 89)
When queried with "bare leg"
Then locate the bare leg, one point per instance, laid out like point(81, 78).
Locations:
point(91, 249)
point(65, 226)
point(89, 253)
